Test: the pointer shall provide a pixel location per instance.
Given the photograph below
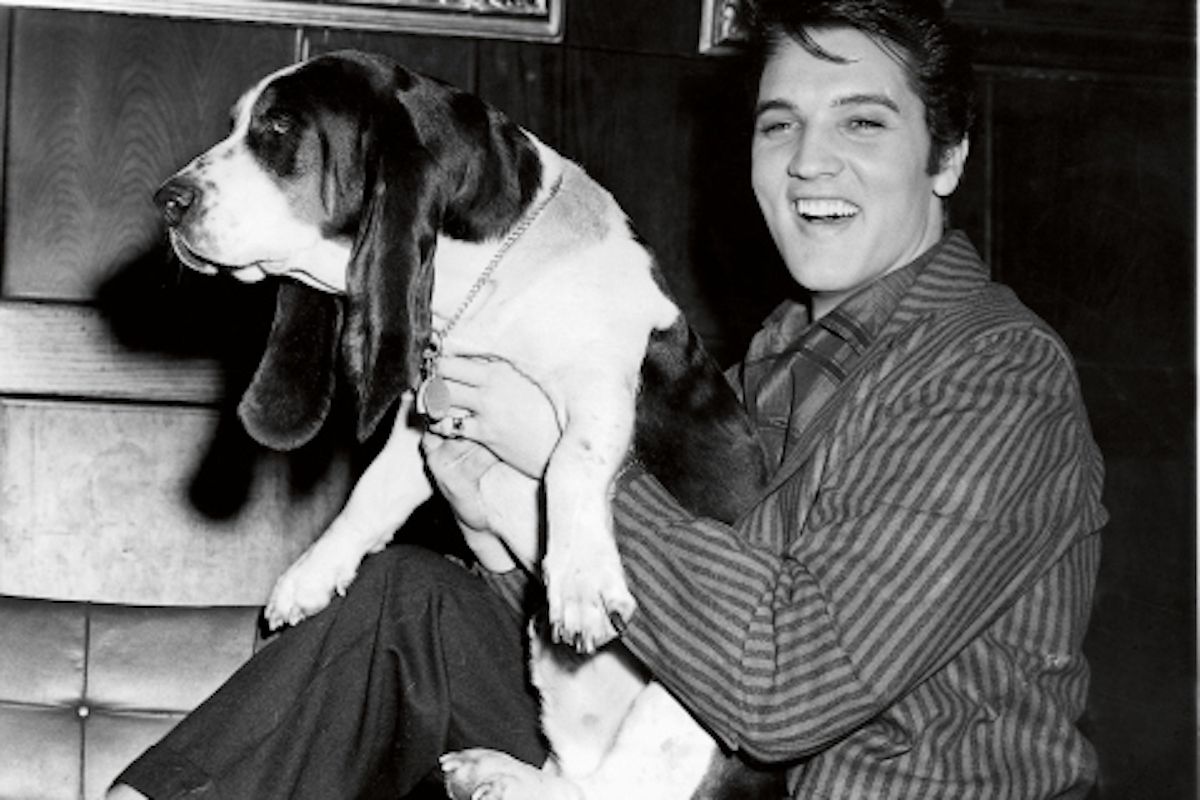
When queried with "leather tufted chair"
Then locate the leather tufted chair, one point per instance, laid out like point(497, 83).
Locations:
point(84, 687)
point(121, 607)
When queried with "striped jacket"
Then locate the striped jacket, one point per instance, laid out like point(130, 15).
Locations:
point(901, 615)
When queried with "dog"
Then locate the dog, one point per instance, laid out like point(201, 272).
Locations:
point(422, 216)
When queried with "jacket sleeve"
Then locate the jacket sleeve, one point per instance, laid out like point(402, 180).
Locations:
point(938, 500)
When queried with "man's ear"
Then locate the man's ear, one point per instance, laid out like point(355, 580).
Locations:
point(954, 159)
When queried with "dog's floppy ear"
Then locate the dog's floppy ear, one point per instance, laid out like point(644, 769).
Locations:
point(290, 394)
point(390, 279)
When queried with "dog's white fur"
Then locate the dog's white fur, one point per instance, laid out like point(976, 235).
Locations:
point(579, 274)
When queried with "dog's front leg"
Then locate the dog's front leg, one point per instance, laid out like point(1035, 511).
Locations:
point(589, 599)
point(389, 491)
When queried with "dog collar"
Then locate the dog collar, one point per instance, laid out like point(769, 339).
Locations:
point(433, 396)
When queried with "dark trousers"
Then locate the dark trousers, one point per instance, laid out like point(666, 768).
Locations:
point(419, 658)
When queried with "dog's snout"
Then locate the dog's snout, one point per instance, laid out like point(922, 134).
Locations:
point(174, 198)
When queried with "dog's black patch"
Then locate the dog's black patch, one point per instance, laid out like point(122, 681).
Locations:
point(498, 170)
point(692, 433)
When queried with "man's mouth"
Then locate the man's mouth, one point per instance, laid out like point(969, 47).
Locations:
point(247, 273)
point(825, 210)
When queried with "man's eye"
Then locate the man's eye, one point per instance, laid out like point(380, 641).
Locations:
point(865, 124)
point(772, 127)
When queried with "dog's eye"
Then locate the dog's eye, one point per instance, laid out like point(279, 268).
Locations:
point(278, 124)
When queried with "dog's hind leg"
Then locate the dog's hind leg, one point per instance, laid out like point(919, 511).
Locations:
point(479, 774)
point(660, 753)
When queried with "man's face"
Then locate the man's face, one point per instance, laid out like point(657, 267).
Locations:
point(839, 165)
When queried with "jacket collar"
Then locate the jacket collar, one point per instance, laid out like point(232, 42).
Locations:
point(954, 271)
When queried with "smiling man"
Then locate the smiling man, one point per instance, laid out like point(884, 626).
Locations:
point(842, 162)
point(902, 614)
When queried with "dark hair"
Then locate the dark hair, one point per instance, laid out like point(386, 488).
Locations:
point(934, 51)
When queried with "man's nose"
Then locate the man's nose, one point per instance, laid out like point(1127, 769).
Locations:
point(174, 198)
point(815, 155)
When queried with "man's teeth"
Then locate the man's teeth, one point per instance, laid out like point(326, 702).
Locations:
point(825, 209)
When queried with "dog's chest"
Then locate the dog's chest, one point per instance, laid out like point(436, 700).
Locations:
point(545, 306)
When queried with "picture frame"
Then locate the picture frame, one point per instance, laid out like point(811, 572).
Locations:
point(721, 28)
point(529, 20)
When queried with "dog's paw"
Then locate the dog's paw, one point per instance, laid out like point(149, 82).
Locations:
point(589, 600)
point(480, 774)
point(310, 583)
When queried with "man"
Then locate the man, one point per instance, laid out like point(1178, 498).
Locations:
point(900, 617)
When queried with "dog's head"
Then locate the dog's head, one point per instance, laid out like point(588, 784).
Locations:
point(340, 173)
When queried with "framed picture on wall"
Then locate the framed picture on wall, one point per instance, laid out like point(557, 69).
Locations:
point(534, 20)
point(721, 26)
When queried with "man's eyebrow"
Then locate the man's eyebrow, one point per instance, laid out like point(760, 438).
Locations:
point(772, 105)
point(867, 99)
point(856, 99)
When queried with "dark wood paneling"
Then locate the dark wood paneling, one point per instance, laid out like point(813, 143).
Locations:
point(634, 26)
point(1115, 36)
point(452, 60)
point(1094, 186)
point(526, 82)
point(1142, 639)
point(102, 109)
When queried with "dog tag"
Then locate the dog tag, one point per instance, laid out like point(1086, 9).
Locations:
point(433, 397)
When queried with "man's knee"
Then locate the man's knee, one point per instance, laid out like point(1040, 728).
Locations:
point(411, 575)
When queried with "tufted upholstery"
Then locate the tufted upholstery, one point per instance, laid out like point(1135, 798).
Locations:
point(85, 686)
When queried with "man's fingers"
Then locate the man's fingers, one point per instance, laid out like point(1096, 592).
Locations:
point(466, 370)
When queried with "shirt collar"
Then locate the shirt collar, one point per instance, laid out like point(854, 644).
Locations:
point(858, 320)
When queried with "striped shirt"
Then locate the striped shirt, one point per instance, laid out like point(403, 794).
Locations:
point(901, 615)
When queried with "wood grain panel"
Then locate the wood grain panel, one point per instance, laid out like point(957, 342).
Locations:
point(59, 350)
point(95, 505)
point(103, 108)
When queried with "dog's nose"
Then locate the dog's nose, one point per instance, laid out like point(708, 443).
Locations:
point(174, 198)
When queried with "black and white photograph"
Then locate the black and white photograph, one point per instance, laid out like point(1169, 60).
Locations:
point(598, 400)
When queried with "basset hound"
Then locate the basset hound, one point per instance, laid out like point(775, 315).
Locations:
point(417, 211)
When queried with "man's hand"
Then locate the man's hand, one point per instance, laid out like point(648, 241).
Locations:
point(492, 502)
point(501, 408)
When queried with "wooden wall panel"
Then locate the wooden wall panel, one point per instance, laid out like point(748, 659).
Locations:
point(1093, 183)
point(1092, 214)
point(526, 82)
point(670, 27)
point(452, 60)
point(102, 109)
point(60, 350)
point(95, 504)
